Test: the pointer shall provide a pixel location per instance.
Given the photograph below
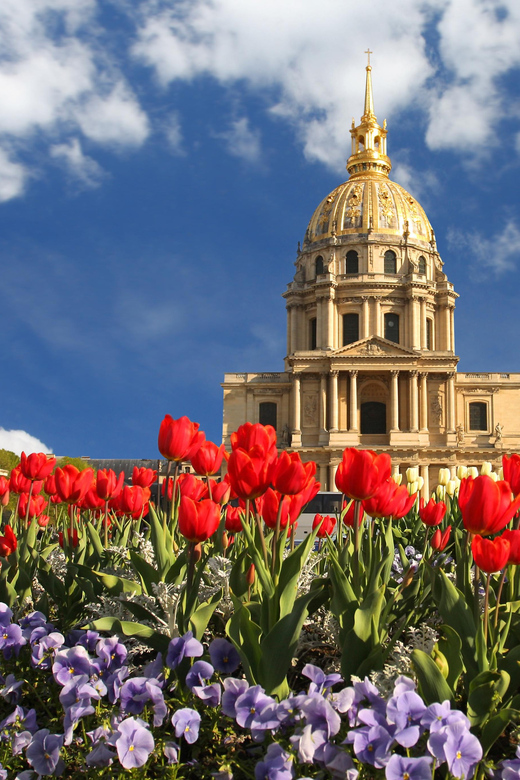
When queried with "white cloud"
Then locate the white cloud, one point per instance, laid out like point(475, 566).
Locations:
point(420, 184)
point(114, 119)
point(241, 141)
point(297, 51)
point(80, 165)
point(499, 253)
point(173, 131)
point(12, 177)
point(21, 441)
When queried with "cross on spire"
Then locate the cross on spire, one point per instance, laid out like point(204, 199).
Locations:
point(369, 53)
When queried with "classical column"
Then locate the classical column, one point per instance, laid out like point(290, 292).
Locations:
point(323, 472)
point(294, 311)
point(323, 402)
point(424, 472)
point(353, 402)
point(334, 401)
point(329, 333)
point(365, 318)
point(447, 328)
point(452, 328)
point(332, 476)
point(414, 402)
point(416, 325)
point(423, 392)
point(423, 323)
point(450, 394)
point(296, 404)
point(377, 316)
point(289, 330)
point(394, 401)
point(319, 323)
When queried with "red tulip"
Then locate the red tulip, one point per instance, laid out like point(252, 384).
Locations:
point(490, 555)
point(513, 537)
point(249, 473)
point(290, 475)
point(4, 491)
point(486, 505)
point(37, 465)
point(431, 513)
point(50, 485)
point(72, 538)
point(268, 505)
point(402, 502)
point(72, 484)
point(198, 520)
point(132, 500)
point(189, 485)
point(179, 439)
point(8, 542)
point(325, 525)
point(361, 472)
point(108, 485)
point(208, 458)
point(143, 477)
point(440, 539)
point(43, 521)
point(347, 515)
point(220, 491)
point(20, 484)
point(511, 467)
point(36, 505)
point(233, 519)
point(250, 576)
point(255, 436)
point(91, 500)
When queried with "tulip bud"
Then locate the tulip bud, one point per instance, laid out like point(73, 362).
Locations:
point(397, 477)
point(462, 471)
point(473, 472)
point(486, 468)
point(225, 541)
point(441, 661)
point(412, 488)
point(444, 476)
point(197, 552)
point(412, 474)
point(250, 576)
point(494, 476)
point(501, 473)
point(452, 487)
point(420, 483)
point(441, 492)
point(408, 577)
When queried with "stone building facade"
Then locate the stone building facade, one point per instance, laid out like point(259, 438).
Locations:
point(371, 340)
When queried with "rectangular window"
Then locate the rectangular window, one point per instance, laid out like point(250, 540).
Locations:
point(350, 328)
point(312, 333)
point(428, 334)
point(478, 416)
point(392, 327)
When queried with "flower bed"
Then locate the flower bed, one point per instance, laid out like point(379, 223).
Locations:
point(176, 640)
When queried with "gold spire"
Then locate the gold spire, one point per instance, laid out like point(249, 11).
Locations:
point(368, 139)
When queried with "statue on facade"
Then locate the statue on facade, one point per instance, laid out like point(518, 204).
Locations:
point(286, 436)
point(460, 434)
point(498, 432)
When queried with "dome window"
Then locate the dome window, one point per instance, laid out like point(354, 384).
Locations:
point(392, 327)
point(390, 262)
point(320, 266)
point(422, 265)
point(312, 333)
point(267, 413)
point(350, 328)
point(352, 263)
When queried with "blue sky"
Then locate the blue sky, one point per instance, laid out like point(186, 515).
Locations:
point(159, 162)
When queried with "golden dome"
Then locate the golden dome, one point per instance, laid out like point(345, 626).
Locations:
point(369, 202)
point(366, 204)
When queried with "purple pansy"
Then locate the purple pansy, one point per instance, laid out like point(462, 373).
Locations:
point(11, 640)
point(44, 650)
point(182, 647)
point(233, 688)
point(224, 656)
point(43, 753)
point(136, 692)
point(249, 705)
point(71, 663)
point(200, 672)
point(186, 723)
point(134, 743)
point(400, 767)
point(11, 690)
point(320, 682)
point(277, 765)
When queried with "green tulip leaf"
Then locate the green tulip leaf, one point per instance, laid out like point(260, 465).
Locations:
point(245, 635)
point(496, 726)
point(432, 685)
point(116, 585)
point(200, 618)
point(450, 646)
point(146, 634)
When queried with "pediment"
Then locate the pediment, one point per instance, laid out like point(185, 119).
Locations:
point(376, 346)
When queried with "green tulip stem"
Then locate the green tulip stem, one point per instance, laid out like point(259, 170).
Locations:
point(276, 536)
point(425, 543)
point(355, 561)
point(191, 568)
point(500, 586)
point(258, 521)
point(486, 608)
point(208, 483)
point(106, 524)
point(476, 604)
point(28, 506)
point(165, 506)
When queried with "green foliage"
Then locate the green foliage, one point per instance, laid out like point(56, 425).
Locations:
point(8, 460)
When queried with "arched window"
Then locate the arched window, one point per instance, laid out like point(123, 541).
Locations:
point(392, 327)
point(319, 265)
point(429, 334)
point(373, 417)
point(312, 333)
point(478, 416)
point(267, 413)
point(352, 263)
point(350, 328)
point(422, 265)
point(390, 262)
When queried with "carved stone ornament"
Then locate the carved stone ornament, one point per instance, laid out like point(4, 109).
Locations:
point(478, 390)
point(385, 203)
point(310, 409)
point(436, 409)
point(460, 434)
point(371, 349)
